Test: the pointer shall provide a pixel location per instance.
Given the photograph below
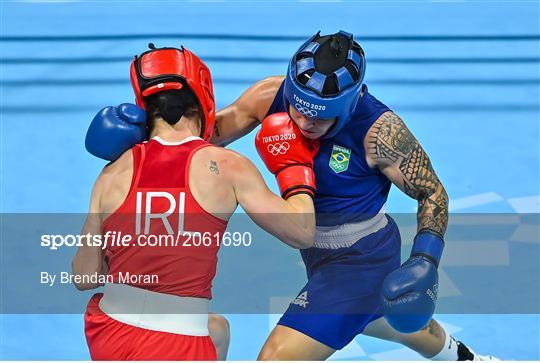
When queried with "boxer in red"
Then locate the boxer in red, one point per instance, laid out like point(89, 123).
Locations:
point(155, 300)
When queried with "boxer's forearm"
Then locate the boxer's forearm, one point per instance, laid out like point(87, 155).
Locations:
point(420, 182)
point(247, 112)
point(223, 135)
point(227, 129)
point(433, 212)
point(392, 147)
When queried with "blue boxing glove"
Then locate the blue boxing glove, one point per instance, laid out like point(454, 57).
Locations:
point(409, 294)
point(115, 130)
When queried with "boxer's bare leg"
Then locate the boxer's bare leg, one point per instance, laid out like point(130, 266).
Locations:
point(220, 334)
point(428, 342)
point(288, 344)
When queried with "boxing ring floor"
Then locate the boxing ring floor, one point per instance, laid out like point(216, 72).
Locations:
point(464, 75)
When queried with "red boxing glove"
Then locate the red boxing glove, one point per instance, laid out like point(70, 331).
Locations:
point(287, 154)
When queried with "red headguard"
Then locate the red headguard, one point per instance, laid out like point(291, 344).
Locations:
point(170, 68)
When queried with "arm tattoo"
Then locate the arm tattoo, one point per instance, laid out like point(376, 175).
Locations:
point(214, 167)
point(395, 150)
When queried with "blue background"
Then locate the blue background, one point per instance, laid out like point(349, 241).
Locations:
point(464, 75)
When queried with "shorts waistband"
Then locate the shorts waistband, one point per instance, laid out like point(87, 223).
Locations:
point(346, 235)
point(155, 311)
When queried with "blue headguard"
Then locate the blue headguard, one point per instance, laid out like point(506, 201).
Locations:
point(309, 98)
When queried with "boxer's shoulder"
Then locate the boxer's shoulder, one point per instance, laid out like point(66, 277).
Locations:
point(211, 180)
point(386, 139)
point(120, 165)
point(114, 181)
point(118, 171)
point(227, 162)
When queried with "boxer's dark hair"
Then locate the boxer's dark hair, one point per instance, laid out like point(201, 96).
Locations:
point(331, 56)
point(171, 106)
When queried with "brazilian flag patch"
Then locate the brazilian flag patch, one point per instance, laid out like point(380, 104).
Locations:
point(339, 160)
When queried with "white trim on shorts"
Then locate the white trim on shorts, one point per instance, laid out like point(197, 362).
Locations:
point(155, 311)
point(346, 235)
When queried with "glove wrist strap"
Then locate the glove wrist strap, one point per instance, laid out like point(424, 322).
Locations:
point(299, 178)
point(429, 245)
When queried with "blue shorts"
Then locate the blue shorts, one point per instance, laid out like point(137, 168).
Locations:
point(342, 293)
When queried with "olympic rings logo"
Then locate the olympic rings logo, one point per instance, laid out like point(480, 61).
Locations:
point(278, 148)
point(305, 111)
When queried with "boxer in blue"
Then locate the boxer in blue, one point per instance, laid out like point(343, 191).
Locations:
point(355, 276)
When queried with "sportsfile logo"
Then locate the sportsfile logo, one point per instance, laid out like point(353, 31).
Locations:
point(301, 300)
